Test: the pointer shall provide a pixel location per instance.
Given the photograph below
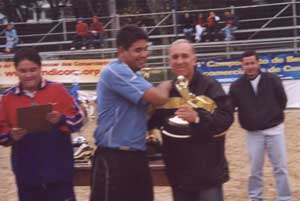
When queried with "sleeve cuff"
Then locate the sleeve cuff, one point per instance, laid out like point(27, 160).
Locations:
point(9, 140)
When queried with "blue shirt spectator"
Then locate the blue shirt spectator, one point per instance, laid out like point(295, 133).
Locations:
point(12, 38)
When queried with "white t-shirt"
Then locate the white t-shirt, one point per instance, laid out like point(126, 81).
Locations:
point(255, 82)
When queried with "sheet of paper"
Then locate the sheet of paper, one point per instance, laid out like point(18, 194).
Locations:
point(34, 118)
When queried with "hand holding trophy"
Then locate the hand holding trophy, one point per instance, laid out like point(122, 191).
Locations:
point(190, 99)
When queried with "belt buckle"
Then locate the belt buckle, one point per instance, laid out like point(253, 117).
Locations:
point(124, 148)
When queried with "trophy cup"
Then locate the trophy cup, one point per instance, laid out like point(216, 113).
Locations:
point(181, 85)
point(191, 99)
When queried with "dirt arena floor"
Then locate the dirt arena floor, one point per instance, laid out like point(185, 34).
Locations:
point(235, 189)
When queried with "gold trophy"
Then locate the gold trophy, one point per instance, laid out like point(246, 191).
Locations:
point(191, 99)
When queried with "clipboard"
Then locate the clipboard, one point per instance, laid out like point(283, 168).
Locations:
point(33, 118)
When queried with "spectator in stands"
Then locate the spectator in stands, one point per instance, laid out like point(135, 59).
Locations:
point(231, 25)
point(12, 38)
point(82, 34)
point(200, 27)
point(212, 26)
point(188, 26)
point(96, 32)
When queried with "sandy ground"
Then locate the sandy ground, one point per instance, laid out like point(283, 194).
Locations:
point(235, 189)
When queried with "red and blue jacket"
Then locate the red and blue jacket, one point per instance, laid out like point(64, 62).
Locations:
point(41, 157)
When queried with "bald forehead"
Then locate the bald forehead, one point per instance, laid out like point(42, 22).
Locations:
point(181, 46)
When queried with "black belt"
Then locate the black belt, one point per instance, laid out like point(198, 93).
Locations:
point(121, 148)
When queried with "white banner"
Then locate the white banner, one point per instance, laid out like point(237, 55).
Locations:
point(65, 71)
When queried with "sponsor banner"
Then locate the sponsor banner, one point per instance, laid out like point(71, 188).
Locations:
point(286, 66)
point(64, 71)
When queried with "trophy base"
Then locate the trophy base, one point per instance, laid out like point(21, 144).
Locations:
point(176, 121)
point(175, 135)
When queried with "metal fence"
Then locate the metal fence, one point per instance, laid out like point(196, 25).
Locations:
point(273, 34)
point(275, 20)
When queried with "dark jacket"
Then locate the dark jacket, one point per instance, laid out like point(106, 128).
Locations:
point(232, 20)
point(262, 110)
point(197, 162)
point(187, 22)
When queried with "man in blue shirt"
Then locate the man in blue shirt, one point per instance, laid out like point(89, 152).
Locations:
point(120, 166)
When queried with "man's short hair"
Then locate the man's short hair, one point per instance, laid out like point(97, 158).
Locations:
point(129, 34)
point(30, 54)
point(179, 41)
point(249, 54)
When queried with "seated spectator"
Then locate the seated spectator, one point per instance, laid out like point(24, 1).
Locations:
point(82, 35)
point(12, 38)
point(200, 27)
point(188, 26)
point(96, 32)
point(212, 26)
point(231, 25)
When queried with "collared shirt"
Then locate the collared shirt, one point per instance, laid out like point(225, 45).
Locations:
point(121, 109)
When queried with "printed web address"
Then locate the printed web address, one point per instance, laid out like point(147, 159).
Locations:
point(54, 72)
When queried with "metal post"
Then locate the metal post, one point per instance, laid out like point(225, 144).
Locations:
point(165, 74)
point(164, 56)
point(64, 26)
point(228, 50)
point(295, 25)
point(174, 22)
point(165, 61)
point(232, 10)
point(116, 22)
point(174, 17)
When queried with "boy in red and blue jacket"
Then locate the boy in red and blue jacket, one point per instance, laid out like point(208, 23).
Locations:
point(42, 162)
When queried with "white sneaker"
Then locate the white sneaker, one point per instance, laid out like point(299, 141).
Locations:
point(83, 48)
point(72, 48)
point(78, 140)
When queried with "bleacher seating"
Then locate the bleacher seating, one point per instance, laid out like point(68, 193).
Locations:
point(58, 35)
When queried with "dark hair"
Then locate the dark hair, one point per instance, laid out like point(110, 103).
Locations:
point(129, 34)
point(249, 54)
point(27, 54)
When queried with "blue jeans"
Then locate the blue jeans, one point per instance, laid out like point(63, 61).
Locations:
point(188, 34)
point(211, 194)
point(274, 145)
point(228, 32)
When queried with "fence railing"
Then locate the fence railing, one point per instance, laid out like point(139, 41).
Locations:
point(279, 19)
point(159, 53)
